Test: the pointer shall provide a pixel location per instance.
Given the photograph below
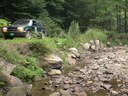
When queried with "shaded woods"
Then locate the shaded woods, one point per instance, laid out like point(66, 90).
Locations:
point(58, 14)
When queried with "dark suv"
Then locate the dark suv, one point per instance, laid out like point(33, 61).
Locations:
point(24, 28)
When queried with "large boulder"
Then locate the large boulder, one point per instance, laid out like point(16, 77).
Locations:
point(11, 80)
point(20, 91)
point(85, 46)
point(51, 62)
point(92, 45)
point(6, 67)
point(73, 56)
point(54, 72)
point(75, 52)
point(71, 59)
point(5, 77)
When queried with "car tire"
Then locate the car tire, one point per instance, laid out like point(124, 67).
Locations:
point(42, 35)
point(28, 35)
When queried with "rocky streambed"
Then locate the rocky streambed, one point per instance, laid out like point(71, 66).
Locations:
point(96, 74)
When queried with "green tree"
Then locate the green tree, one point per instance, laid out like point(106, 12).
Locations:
point(77, 10)
point(16, 9)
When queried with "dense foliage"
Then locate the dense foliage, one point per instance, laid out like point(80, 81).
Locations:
point(58, 14)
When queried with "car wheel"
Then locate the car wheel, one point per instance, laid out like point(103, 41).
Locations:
point(42, 35)
point(28, 35)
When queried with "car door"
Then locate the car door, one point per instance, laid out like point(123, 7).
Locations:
point(34, 26)
point(40, 27)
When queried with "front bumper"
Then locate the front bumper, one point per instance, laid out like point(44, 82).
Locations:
point(14, 34)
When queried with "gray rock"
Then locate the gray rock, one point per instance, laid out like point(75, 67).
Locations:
point(114, 93)
point(54, 72)
point(16, 91)
point(64, 92)
point(6, 67)
point(15, 82)
point(75, 52)
point(71, 59)
point(82, 94)
point(55, 94)
point(85, 46)
point(53, 59)
point(51, 62)
point(11, 80)
point(20, 91)
point(5, 77)
point(106, 86)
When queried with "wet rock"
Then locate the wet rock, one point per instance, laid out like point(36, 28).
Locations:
point(6, 68)
point(20, 91)
point(28, 89)
point(71, 59)
point(53, 59)
point(11, 80)
point(16, 91)
point(5, 77)
point(54, 72)
point(124, 95)
point(114, 93)
point(108, 44)
point(124, 91)
point(101, 68)
point(77, 89)
point(51, 62)
point(75, 52)
point(95, 67)
point(55, 94)
point(89, 82)
point(106, 86)
point(15, 82)
point(85, 46)
point(82, 94)
point(64, 92)
point(66, 86)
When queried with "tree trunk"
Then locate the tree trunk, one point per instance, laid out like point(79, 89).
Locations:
point(125, 17)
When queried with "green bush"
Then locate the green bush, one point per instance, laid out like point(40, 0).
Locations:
point(71, 40)
point(26, 69)
point(28, 72)
point(93, 34)
point(74, 30)
point(116, 38)
point(3, 22)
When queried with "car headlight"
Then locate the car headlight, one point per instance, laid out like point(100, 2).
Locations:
point(5, 29)
point(21, 29)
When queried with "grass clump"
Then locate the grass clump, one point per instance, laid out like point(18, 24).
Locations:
point(11, 55)
point(40, 48)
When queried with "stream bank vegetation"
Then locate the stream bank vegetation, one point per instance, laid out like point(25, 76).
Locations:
point(27, 68)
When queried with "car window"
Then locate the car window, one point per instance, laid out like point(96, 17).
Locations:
point(21, 22)
point(39, 24)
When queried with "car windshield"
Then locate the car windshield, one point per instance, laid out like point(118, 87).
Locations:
point(21, 22)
